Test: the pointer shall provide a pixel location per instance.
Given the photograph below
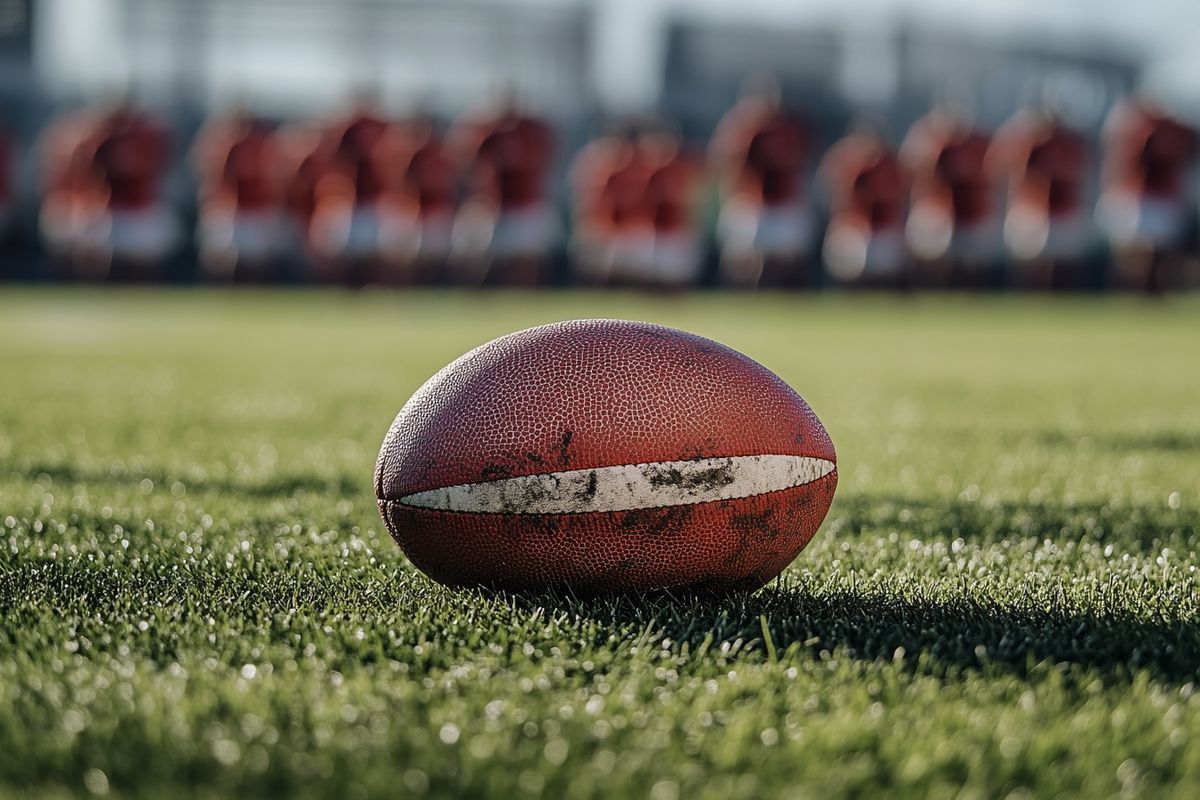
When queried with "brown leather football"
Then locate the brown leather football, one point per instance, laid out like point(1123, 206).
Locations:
point(602, 456)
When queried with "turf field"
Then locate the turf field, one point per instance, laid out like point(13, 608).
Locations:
point(197, 597)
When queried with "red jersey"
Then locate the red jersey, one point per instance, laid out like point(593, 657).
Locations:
point(865, 181)
point(598, 199)
point(946, 158)
point(1043, 162)
point(761, 151)
point(306, 157)
point(238, 163)
point(418, 167)
point(65, 147)
point(354, 143)
point(1147, 151)
point(130, 157)
point(506, 158)
point(670, 192)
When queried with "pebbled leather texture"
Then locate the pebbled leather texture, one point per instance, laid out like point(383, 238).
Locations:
point(597, 393)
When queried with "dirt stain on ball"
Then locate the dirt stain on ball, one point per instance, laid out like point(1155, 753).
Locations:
point(710, 479)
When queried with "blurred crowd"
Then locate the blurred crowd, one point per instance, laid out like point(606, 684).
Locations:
point(366, 199)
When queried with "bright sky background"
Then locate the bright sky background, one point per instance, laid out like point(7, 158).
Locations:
point(79, 40)
point(1169, 30)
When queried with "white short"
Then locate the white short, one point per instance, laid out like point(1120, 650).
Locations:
point(398, 235)
point(374, 231)
point(852, 254)
point(932, 234)
point(774, 231)
point(346, 231)
point(435, 231)
point(1030, 234)
point(227, 236)
point(144, 234)
point(630, 256)
point(63, 225)
point(591, 253)
point(479, 231)
point(676, 259)
point(645, 257)
point(1131, 219)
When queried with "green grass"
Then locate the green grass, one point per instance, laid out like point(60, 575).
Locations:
point(197, 597)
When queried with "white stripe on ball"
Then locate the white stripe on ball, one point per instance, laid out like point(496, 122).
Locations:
point(627, 487)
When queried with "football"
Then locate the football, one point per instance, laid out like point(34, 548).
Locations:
point(605, 456)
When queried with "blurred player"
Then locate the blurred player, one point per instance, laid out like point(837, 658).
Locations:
point(102, 211)
point(241, 231)
point(418, 203)
point(1043, 164)
point(864, 244)
point(953, 227)
point(305, 155)
point(635, 197)
point(72, 197)
point(671, 186)
point(606, 182)
point(1144, 206)
point(506, 228)
point(347, 229)
point(759, 152)
point(137, 230)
